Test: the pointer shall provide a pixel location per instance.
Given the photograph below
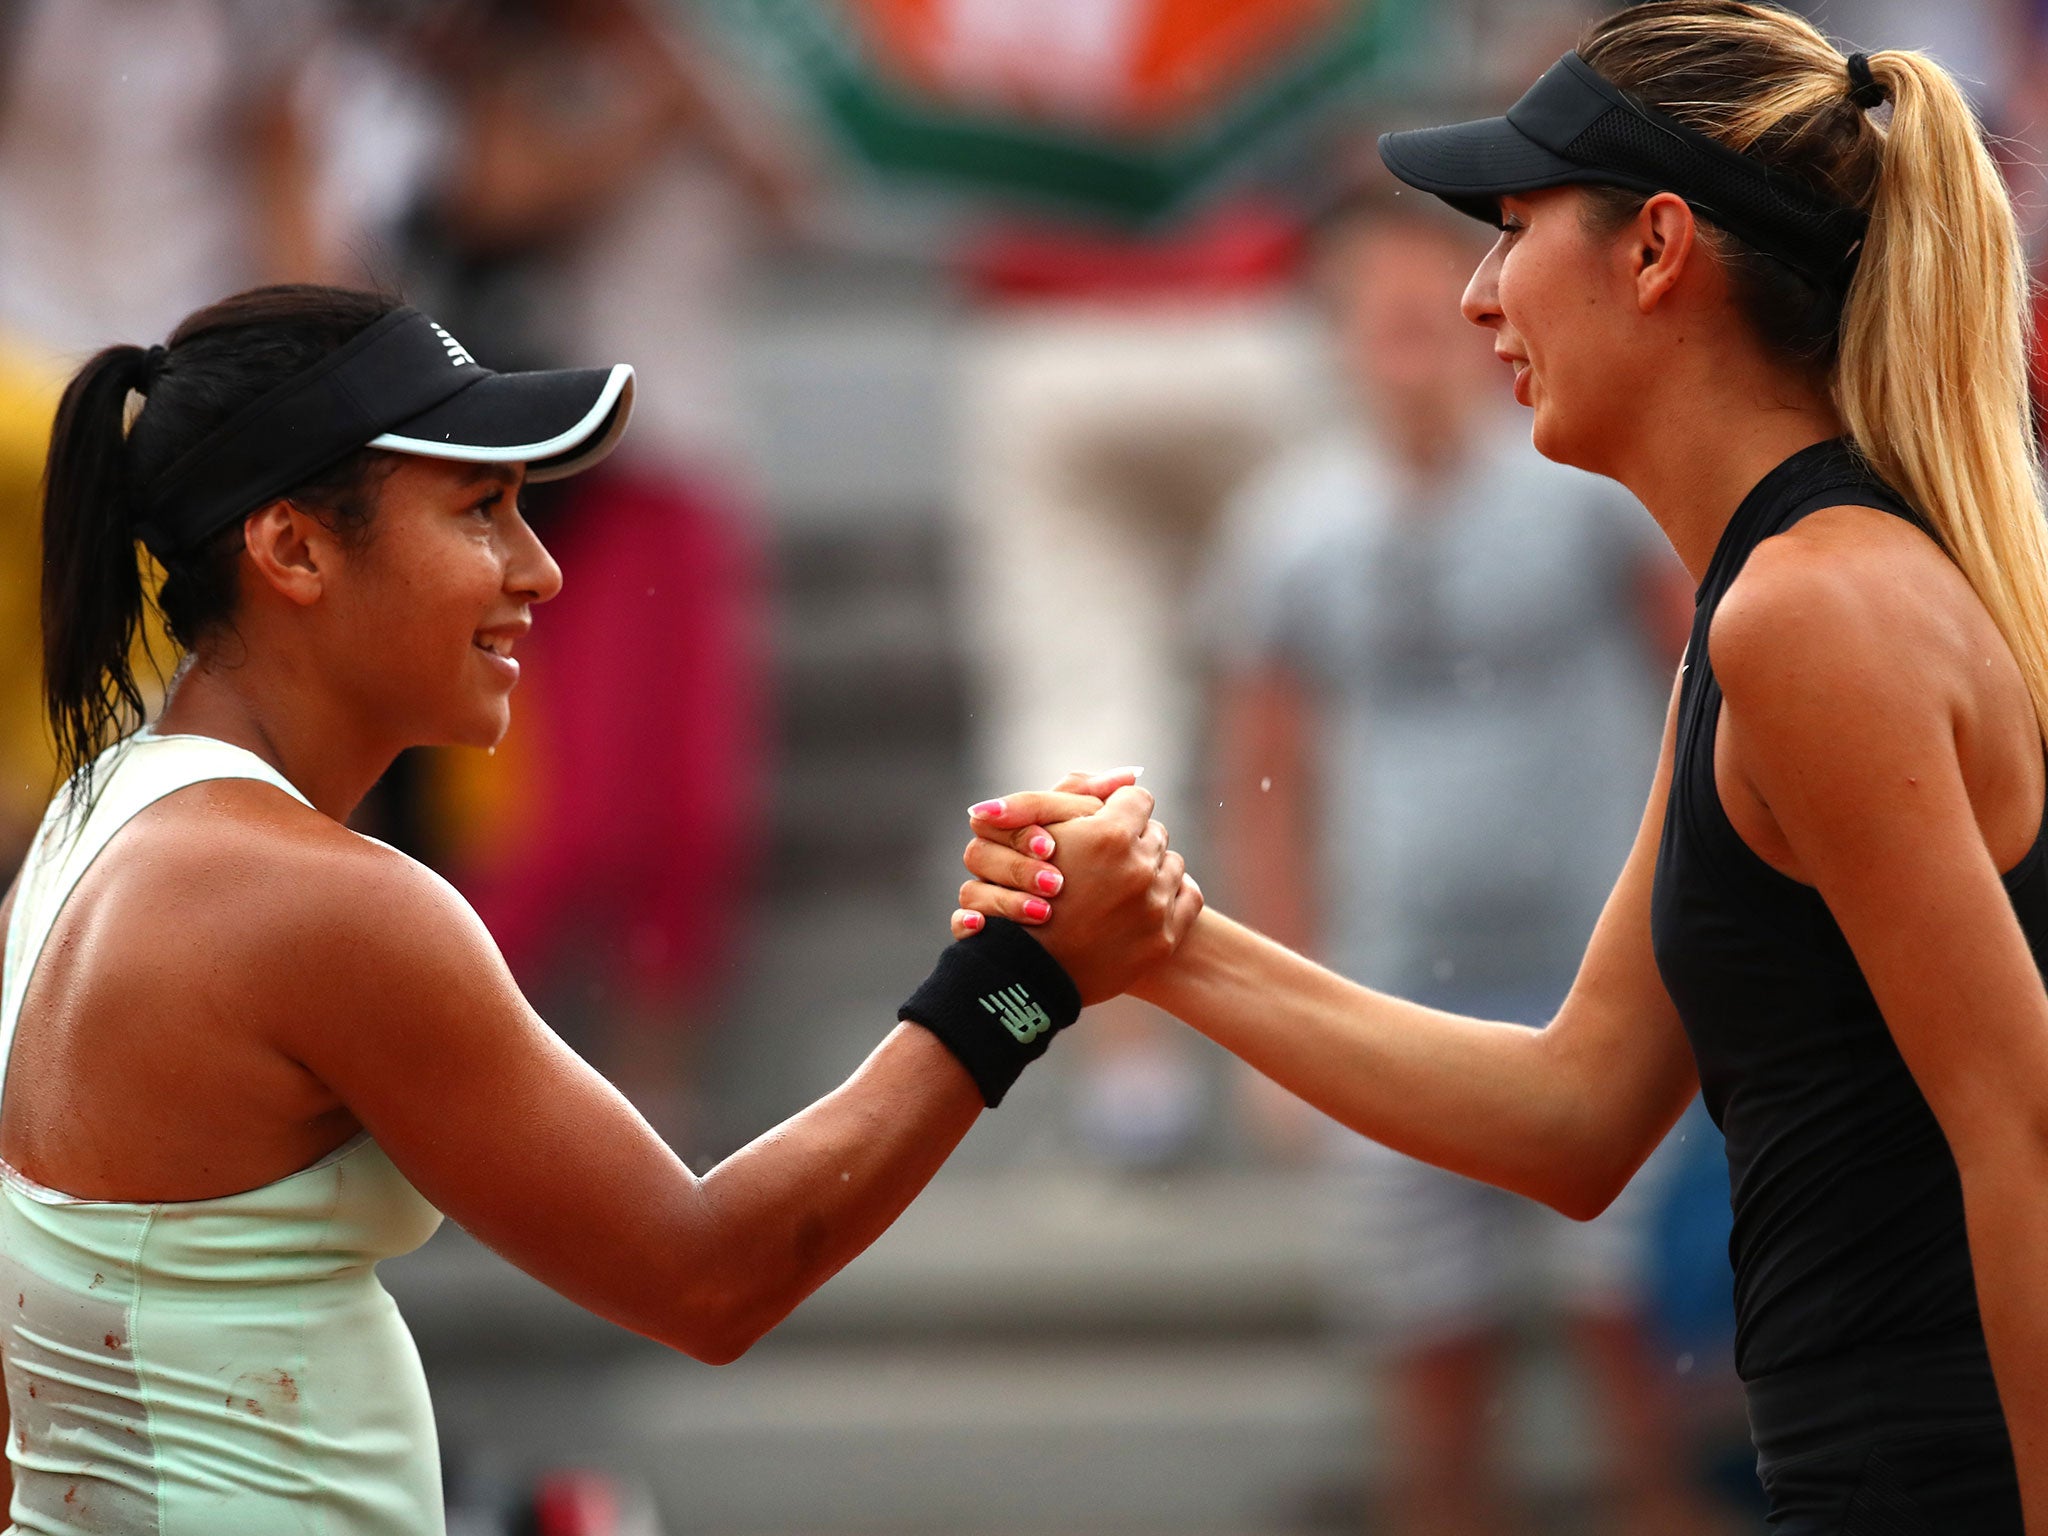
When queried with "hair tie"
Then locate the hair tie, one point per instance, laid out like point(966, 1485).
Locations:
point(1865, 90)
point(147, 367)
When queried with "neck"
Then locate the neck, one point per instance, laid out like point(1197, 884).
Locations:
point(1701, 451)
point(269, 708)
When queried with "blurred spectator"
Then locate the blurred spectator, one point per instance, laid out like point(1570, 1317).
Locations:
point(1116, 391)
point(1439, 722)
point(376, 117)
point(603, 169)
point(151, 160)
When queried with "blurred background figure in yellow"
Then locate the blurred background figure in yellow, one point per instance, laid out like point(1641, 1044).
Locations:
point(1443, 676)
point(28, 401)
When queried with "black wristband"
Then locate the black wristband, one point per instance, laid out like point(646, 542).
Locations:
point(996, 999)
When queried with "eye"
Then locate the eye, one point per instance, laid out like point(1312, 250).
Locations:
point(486, 507)
point(1511, 224)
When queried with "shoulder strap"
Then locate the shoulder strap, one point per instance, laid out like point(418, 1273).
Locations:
point(129, 777)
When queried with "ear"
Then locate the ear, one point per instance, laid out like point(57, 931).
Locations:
point(1664, 239)
point(292, 551)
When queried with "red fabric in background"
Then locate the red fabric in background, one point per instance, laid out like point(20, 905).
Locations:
point(643, 697)
point(1243, 246)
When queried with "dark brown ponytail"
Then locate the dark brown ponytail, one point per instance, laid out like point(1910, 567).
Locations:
point(92, 586)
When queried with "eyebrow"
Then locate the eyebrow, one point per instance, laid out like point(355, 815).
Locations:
point(503, 474)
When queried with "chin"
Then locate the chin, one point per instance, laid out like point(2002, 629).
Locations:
point(1555, 441)
point(484, 724)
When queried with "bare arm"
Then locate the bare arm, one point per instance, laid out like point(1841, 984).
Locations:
point(1564, 1115)
point(404, 1008)
point(1841, 681)
point(398, 1002)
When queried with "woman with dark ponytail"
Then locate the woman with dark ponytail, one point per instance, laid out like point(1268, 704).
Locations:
point(245, 1053)
point(1778, 292)
point(105, 450)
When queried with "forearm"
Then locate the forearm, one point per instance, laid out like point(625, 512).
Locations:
point(1488, 1100)
point(2008, 1231)
point(789, 1210)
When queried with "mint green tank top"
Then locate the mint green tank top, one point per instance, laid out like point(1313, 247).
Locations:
point(224, 1367)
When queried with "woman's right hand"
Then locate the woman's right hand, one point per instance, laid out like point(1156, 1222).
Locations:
point(1125, 900)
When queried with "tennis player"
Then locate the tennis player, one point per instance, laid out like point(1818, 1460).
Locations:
point(248, 1053)
point(1779, 294)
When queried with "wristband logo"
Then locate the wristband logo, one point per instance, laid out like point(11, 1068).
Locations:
point(1023, 1018)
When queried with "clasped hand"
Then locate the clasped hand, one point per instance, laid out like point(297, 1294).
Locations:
point(1087, 869)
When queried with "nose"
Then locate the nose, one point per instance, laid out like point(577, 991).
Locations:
point(1481, 304)
point(530, 571)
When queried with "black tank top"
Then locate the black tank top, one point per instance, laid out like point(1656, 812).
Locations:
point(1848, 1211)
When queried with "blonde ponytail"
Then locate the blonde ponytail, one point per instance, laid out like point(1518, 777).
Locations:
point(1932, 375)
point(1928, 363)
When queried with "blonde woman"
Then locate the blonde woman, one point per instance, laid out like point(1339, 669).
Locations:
point(1777, 293)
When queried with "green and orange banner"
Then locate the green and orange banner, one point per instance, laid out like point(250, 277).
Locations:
point(1125, 108)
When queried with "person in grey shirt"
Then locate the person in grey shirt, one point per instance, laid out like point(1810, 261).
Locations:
point(1443, 661)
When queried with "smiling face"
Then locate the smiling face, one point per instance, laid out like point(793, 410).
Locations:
point(423, 614)
point(1561, 301)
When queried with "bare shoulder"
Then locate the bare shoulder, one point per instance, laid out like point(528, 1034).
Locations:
point(243, 858)
point(1852, 602)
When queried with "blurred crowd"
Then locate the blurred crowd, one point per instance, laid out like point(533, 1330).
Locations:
point(1244, 489)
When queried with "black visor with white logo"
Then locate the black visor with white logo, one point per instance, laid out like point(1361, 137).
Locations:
point(1574, 126)
point(404, 385)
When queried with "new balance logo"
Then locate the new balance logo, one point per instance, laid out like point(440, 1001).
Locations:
point(1023, 1018)
point(458, 354)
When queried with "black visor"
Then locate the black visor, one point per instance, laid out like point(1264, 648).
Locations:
point(1574, 126)
point(405, 385)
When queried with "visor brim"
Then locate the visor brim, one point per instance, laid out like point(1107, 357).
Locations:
point(1473, 165)
point(558, 422)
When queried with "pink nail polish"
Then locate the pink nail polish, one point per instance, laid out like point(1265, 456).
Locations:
point(1049, 881)
point(971, 921)
point(1041, 847)
point(987, 810)
point(1038, 911)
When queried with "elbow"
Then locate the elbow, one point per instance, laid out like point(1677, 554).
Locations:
point(2004, 1148)
point(716, 1349)
point(1582, 1203)
point(714, 1341)
point(1584, 1187)
point(718, 1332)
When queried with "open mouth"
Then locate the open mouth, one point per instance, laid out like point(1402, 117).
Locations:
point(497, 645)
